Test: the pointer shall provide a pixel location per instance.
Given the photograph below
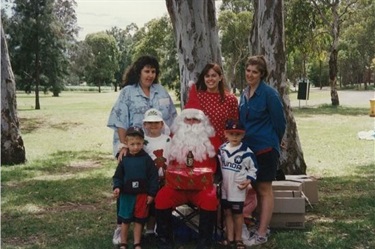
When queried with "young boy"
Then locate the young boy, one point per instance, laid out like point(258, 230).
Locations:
point(156, 145)
point(135, 183)
point(238, 171)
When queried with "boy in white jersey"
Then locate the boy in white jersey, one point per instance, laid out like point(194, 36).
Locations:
point(238, 171)
point(156, 144)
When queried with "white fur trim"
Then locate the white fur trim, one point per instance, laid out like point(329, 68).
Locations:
point(193, 113)
point(191, 83)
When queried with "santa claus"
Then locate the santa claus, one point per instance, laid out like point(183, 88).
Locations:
point(193, 146)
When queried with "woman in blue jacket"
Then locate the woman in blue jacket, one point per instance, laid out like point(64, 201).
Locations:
point(262, 114)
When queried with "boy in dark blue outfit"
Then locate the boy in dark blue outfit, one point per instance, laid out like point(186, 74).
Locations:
point(135, 183)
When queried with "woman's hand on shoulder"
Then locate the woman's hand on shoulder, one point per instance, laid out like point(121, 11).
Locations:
point(122, 152)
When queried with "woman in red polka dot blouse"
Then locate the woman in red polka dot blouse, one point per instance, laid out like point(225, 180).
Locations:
point(217, 103)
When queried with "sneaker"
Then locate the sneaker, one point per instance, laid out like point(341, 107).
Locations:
point(255, 240)
point(117, 236)
point(245, 232)
point(254, 230)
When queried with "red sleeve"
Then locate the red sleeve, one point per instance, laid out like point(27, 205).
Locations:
point(233, 102)
point(216, 142)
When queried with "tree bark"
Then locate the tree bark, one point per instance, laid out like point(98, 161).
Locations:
point(267, 38)
point(333, 56)
point(197, 39)
point(12, 147)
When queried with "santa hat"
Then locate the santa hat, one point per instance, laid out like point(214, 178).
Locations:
point(193, 108)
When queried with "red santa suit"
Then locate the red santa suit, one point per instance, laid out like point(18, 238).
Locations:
point(192, 134)
point(201, 140)
point(168, 197)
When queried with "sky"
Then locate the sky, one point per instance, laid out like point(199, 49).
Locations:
point(100, 15)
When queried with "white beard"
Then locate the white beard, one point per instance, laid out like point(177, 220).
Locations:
point(195, 138)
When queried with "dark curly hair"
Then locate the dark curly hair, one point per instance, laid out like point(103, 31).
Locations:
point(133, 73)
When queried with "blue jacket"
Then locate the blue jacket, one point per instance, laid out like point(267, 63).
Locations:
point(263, 118)
point(138, 167)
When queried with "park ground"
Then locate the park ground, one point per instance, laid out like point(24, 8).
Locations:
point(62, 197)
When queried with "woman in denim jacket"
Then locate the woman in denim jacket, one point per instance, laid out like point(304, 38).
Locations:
point(262, 114)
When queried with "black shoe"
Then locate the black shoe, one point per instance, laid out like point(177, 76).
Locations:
point(163, 243)
point(149, 238)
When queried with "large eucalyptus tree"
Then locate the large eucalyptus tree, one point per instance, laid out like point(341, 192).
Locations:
point(12, 147)
point(267, 38)
point(197, 39)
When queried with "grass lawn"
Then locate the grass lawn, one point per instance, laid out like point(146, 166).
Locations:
point(62, 197)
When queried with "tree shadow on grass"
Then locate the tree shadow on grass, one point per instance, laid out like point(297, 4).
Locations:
point(29, 125)
point(343, 218)
point(63, 204)
point(48, 209)
point(326, 109)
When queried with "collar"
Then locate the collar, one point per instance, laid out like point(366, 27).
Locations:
point(153, 90)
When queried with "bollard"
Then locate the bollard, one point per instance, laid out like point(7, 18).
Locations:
point(372, 107)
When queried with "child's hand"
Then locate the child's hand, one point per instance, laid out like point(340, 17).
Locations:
point(116, 193)
point(150, 199)
point(244, 184)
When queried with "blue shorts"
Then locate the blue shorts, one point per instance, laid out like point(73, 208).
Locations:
point(268, 163)
point(235, 207)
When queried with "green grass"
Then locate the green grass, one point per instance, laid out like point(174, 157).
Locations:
point(61, 198)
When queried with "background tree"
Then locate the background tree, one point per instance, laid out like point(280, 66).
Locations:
point(267, 38)
point(40, 32)
point(234, 29)
point(234, 32)
point(301, 23)
point(12, 147)
point(104, 63)
point(158, 39)
point(65, 30)
point(333, 22)
point(125, 42)
point(79, 55)
point(357, 45)
point(197, 40)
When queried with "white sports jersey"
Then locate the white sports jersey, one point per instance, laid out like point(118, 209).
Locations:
point(237, 165)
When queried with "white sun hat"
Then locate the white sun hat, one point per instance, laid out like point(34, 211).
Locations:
point(153, 115)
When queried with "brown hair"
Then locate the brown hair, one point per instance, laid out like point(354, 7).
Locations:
point(260, 62)
point(201, 86)
point(133, 73)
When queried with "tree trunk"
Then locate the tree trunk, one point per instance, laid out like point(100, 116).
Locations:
point(333, 56)
point(267, 38)
point(197, 40)
point(37, 67)
point(12, 147)
point(332, 77)
point(320, 74)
